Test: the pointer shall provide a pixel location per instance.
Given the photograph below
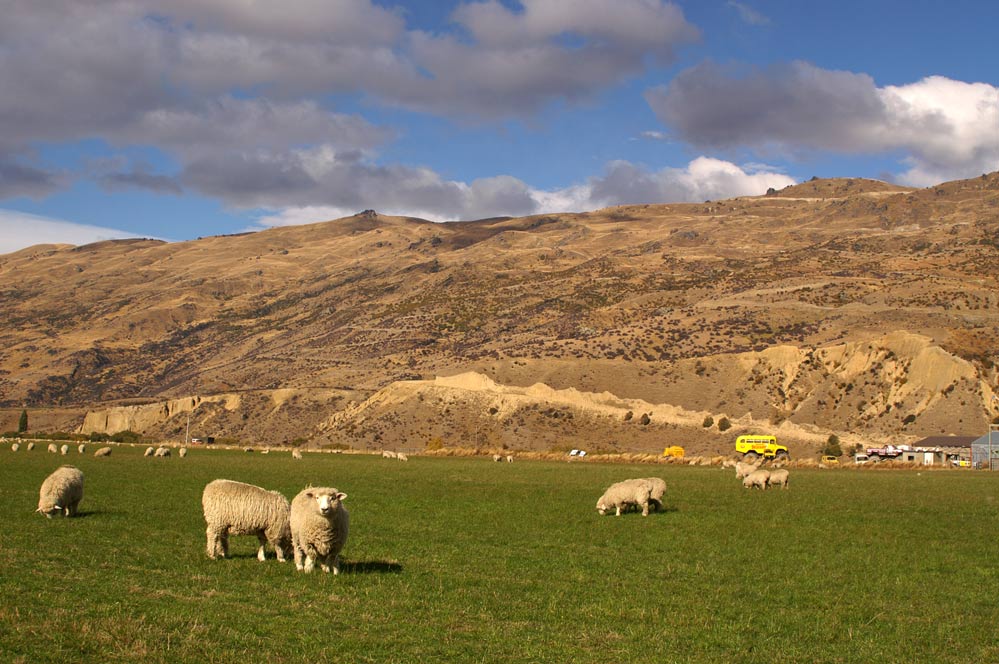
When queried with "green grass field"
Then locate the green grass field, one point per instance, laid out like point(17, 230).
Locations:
point(466, 560)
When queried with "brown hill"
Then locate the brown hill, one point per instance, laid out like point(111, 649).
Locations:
point(842, 308)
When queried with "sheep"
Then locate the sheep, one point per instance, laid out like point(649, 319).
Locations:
point(103, 452)
point(509, 458)
point(742, 469)
point(82, 449)
point(757, 478)
point(31, 446)
point(497, 458)
point(623, 494)
point(779, 477)
point(53, 449)
point(15, 447)
point(61, 491)
point(149, 451)
point(162, 452)
point(182, 452)
point(319, 527)
point(237, 508)
point(64, 450)
point(386, 454)
point(401, 456)
point(657, 488)
point(296, 454)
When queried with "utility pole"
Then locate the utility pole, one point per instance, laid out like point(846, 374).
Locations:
point(187, 436)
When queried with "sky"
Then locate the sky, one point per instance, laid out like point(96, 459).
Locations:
point(177, 119)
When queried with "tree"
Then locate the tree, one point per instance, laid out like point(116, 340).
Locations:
point(708, 422)
point(22, 423)
point(724, 424)
point(832, 447)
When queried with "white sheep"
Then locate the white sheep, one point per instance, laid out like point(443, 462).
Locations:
point(779, 477)
point(386, 454)
point(53, 449)
point(509, 458)
point(497, 458)
point(162, 452)
point(61, 491)
point(319, 527)
point(64, 450)
point(296, 454)
point(624, 494)
point(149, 451)
point(757, 478)
point(82, 449)
point(657, 489)
point(31, 446)
point(401, 456)
point(15, 447)
point(237, 508)
point(743, 468)
point(182, 452)
point(103, 452)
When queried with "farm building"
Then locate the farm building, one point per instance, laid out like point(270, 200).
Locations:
point(983, 447)
point(940, 450)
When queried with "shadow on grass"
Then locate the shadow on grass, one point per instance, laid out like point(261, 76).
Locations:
point(370, 567)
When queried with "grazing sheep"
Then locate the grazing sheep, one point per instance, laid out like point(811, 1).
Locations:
point(61, 491)
point(319, 526)
point(497, 458)
point(82, 449)
point(509, 458)
point(296, 454)
point(386, 454)
point(237, 508)
point(53, 449)
point(149, 451)
point(742, 469)
point(401, 456)
point(624, 494)
point(31, 446)
point(248, 449)
point(15, 447)
point(103, 452)
point(757, 478)
point(657, 489)
point(779, 477)
point(182, 452)
point(162, 452)
point(64, 450)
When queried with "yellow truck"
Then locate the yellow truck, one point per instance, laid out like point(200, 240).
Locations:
point(673, 451)
point(753, 447)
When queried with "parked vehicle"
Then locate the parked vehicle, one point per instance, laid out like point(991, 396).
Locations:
point(829, 460)
point(861, 459)
point(753, 447)
point(887, 452)
point(673, 451)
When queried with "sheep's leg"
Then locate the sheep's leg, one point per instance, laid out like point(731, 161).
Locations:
point(224, 542)
point(261, 552)
point(310, 562)
point(299, 555)
point(618, 512)
point(336, 564)
point(278, 550)
point(645, 509)
point(212, 544)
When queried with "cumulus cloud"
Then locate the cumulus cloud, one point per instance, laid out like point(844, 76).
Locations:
point(947, 128)
point(423, 193)
point(19, 230)
point(747, 13)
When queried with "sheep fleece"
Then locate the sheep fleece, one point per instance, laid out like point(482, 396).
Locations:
point(238, 508)
point(61, 491)
point(316, 536)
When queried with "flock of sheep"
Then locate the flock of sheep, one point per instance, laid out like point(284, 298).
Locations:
point(754, 476)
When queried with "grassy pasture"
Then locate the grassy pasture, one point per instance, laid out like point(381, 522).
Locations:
point(466, 560)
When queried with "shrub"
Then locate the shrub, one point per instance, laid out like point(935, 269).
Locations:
point(22, 422)
point(708, 422)
point(832, 447)
point(724, 424)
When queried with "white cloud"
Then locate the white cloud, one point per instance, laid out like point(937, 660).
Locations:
point(748, 14)
point(946, 129)
point(19, 230)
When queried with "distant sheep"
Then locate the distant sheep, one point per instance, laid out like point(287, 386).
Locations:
point(386, 454)
point(742, 469)
point(319, 527)
point(15, 447)
point(162, 452)
point(237, 508)
point(103, 452)
point(82, 449)
point(779, 478)
point(182, 452)
point(64, 450)
point(61, 491)
point(31, 446)
point(509, 458)
point(625, 494)
point(497, 458)
point(53, 449)
point(757, 478)
point(401, 456)
point(296, 454)
point(149, 451)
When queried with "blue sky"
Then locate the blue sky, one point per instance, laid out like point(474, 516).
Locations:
point(185, 118)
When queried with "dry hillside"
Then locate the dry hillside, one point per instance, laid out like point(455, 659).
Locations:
point(846, 306)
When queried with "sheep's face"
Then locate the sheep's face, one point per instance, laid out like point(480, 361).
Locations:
point(326, 503)
point(48, 509)
point(601, 507)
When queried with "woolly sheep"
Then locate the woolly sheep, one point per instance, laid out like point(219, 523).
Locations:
point(386, 454)
point(757, 478)
point(401, 456)
point(31, 446)
point(624, 494)
point(237, 508)
point(82, 449)
point(182, 452)
point(509, 458)
point(149, 451)
point(657, 489)
point(296, 454)
point(319, 526)
point(742, 469)
point(53, 449)
point(779, 477)
point(61, 491)
point(103, 452)
point(497, 458)
point(162, 452)
point(15, 447)
point(64, 450)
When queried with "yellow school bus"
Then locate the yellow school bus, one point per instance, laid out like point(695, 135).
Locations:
point(754, 446)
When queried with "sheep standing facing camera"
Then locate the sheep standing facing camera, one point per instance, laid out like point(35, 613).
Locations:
point(319, 527)
point(237, 508)
point(61, 491)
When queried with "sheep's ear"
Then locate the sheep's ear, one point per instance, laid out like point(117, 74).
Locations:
point(341, 496)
